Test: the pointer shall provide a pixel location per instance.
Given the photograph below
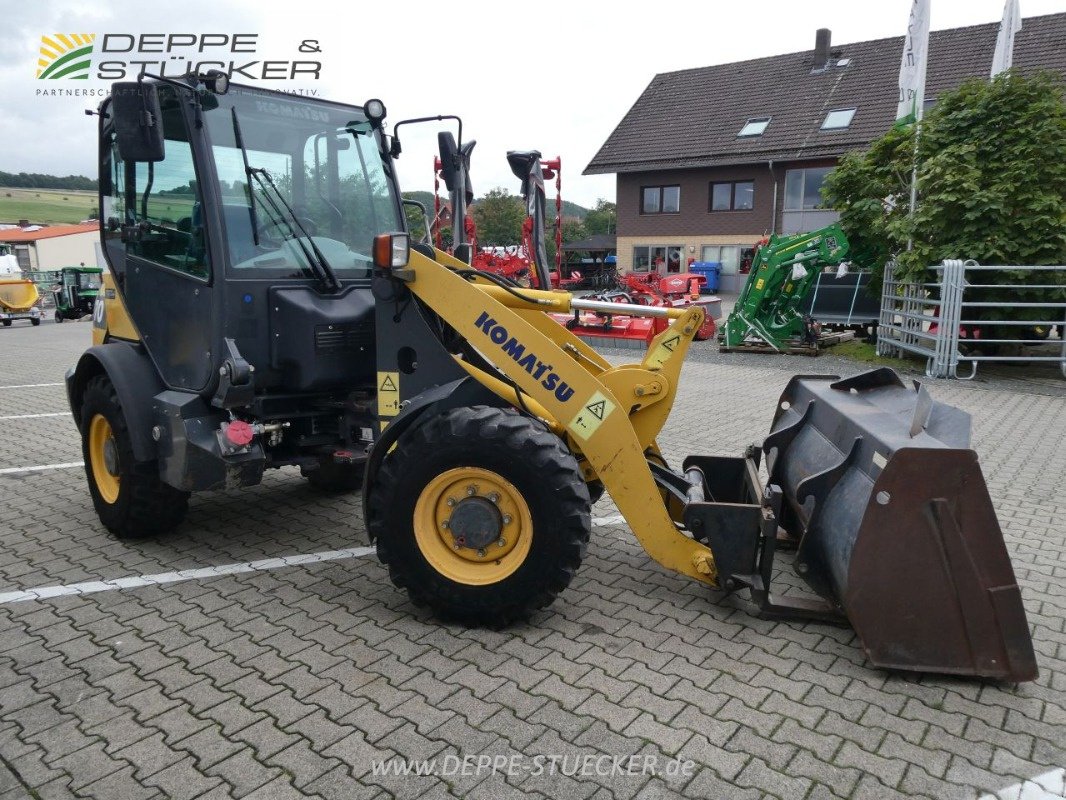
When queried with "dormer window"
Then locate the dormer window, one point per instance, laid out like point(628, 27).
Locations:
point(838, 119)
point(754, 126)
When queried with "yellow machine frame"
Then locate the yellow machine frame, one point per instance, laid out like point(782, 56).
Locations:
point(609, 415)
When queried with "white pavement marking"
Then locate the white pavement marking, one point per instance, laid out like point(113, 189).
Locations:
point(36, 416)
point(40, 468)
point(30, 385)
point(1046, 786)
point(136, 581)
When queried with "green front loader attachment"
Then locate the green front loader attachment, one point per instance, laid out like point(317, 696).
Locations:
point(782, 274)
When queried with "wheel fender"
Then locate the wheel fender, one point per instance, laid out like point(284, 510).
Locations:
point(136, 382)
point(454, 394)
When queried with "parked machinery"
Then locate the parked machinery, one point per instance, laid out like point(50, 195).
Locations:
point(527, 263)
point(769, 310)
point(75, 292)
point(300, 328)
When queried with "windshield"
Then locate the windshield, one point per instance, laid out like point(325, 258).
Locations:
point(325, 163)
point(88, 280)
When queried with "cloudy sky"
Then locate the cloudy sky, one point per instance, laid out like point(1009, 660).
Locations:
point(549, 75)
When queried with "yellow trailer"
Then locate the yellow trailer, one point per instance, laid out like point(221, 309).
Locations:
point(18, 300)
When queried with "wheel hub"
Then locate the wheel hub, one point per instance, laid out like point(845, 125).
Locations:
point(475, 523)
point(111, 457)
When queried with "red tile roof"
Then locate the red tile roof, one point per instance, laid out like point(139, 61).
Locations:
point(49, 232)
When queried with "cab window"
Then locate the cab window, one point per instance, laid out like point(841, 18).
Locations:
point(160, 203)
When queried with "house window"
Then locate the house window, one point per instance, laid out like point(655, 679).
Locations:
point(23, 255)
point(657, 258)
point(803, 188)
point(754, 126)
point(733, 258)
point(660, 200)
point(838, 119)
point(733, 196)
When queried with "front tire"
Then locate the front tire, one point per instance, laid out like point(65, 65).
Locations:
point(481, 514)
point(128, 495)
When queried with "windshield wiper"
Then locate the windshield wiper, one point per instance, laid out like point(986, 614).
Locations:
point(239, 139)
point(319, 265)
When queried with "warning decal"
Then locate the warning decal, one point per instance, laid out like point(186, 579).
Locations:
point(592, 414)
point(388, 394)
point(663, 351)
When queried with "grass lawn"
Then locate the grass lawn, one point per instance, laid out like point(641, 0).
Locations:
point(45, 205)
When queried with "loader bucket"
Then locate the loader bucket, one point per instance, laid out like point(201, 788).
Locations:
point(893, 522)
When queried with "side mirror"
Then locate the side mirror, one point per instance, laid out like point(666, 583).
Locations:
point(138, 121)
point(449, 159)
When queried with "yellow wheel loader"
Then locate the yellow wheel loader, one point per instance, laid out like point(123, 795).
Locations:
point(265, 307)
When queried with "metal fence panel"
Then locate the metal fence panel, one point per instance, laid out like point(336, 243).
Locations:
point(932, 319)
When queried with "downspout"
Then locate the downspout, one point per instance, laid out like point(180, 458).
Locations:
point(773, 212)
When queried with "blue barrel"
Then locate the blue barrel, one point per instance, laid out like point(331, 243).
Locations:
point(711, 270)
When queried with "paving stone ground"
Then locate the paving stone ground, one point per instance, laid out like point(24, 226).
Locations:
point(292, 682)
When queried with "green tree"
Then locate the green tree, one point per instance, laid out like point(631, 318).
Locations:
point(602, 219)
point(499, 216)
point(991, 182)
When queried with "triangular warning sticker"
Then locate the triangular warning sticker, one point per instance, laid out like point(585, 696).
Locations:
point(597, 408)
point(671, 343)
point(387, 385)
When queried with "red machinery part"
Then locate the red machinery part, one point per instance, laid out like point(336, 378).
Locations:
point(239, 433)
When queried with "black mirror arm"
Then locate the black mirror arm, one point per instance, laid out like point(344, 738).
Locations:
point(396, 148)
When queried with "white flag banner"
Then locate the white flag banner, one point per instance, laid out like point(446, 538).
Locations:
point(1008, 26)
point(912, 66)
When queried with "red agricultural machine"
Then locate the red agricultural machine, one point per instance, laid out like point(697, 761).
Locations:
point(676, 290)
point(519, 263)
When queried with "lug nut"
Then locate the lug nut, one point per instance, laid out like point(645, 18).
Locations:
point(506, 519)
point(455, 546)
point(494, 498)
point(501, 542)
point(445, 525)
point(471, 491)
point(451, 502)
point(480, 553)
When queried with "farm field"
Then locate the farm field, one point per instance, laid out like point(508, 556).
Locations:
point(53, 206)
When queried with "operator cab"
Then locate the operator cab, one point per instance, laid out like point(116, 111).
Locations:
point(242, 228)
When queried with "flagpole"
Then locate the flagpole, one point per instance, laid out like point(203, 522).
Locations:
point(914, 173)
point(912, 87)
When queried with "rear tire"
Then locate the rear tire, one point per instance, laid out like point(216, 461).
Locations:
point(35, 321)
point(129, 497)
point(59, 316)
point(521, 476)
point(7, 323)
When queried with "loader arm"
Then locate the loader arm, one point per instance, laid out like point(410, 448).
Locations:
point(610, 415)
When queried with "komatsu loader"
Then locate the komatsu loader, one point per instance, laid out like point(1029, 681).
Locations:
point(265, 307)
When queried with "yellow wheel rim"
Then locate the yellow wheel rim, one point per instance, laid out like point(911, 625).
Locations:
point(103, 458)
point(453, 494)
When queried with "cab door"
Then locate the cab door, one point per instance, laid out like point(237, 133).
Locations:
point(156, 241)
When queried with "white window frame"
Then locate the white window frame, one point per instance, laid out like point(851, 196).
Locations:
point(755, 126)
point(847, 122)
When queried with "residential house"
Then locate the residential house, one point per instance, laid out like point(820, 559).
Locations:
point(45, 248)
point(710, 160)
